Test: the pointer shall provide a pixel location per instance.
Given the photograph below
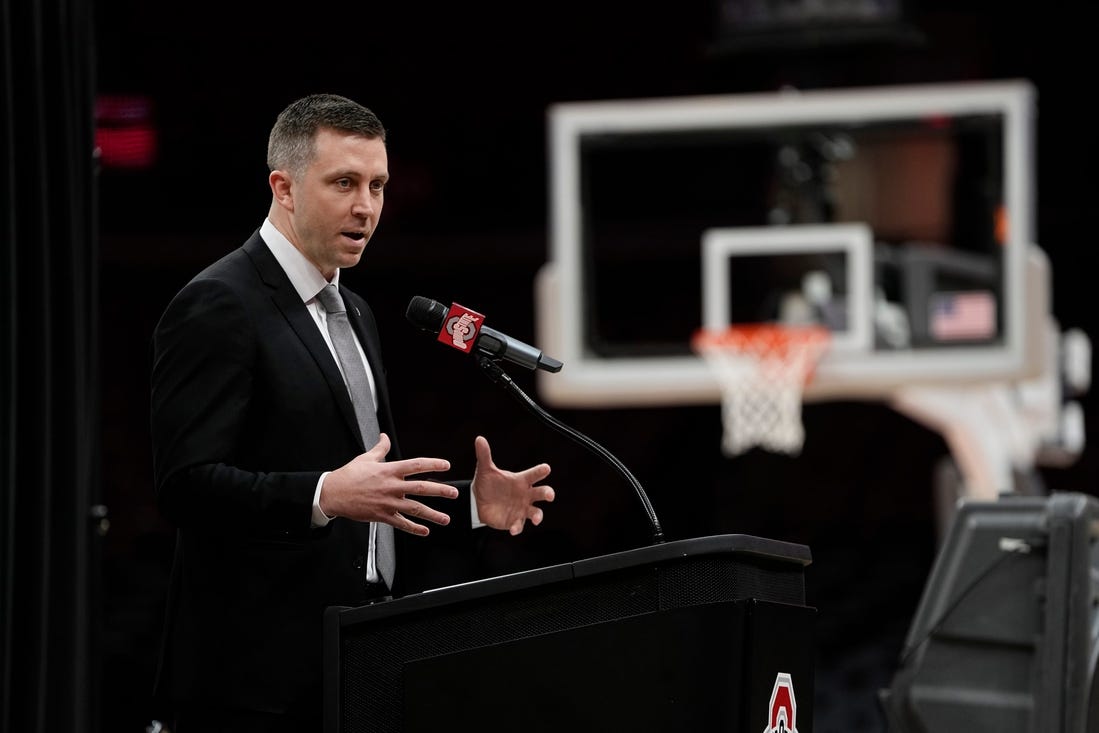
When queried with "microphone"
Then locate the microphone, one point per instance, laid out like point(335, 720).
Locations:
point(464, 329)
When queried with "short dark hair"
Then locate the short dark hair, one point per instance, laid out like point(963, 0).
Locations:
point(291, 143)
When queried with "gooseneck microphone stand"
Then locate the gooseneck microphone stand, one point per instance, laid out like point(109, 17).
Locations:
point(494, 372)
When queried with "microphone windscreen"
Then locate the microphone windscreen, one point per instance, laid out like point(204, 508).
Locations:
point(425, 313)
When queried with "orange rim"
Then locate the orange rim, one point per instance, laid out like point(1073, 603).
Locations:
point(769, 342)
point(762, 338)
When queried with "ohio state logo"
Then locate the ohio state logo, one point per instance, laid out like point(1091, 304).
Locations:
point(460, 327)
point(782, 712)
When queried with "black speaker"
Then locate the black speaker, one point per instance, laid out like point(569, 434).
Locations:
point(1005, 635)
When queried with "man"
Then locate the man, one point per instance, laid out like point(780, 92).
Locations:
point(275, 454)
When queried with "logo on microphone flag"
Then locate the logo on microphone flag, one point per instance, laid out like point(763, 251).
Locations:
point(460, 328)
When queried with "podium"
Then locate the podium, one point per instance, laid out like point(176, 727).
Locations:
point(710, 633)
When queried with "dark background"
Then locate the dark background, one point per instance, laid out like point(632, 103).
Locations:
point(463, 90)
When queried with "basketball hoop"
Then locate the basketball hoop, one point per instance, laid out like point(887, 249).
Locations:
point(762, 369)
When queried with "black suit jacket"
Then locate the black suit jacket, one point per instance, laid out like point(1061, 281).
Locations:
point(248, 409)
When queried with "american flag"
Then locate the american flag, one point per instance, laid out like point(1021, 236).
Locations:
point(963, 315)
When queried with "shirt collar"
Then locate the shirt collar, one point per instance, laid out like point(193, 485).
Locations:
point(306, 279)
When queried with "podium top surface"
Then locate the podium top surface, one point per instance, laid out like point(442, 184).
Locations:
point(749, 547)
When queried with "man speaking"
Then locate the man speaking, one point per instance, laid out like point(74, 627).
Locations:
point(275, 452)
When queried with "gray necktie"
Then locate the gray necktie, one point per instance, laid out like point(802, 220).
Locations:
point(354, 373)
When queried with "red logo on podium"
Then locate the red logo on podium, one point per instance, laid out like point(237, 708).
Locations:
point(782, 712)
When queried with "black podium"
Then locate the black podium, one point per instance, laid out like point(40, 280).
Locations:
point(708, 634)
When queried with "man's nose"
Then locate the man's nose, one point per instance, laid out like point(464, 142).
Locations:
point(364, 205)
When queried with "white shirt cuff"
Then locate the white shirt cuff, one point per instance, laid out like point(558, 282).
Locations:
point(319, 518)
point(474, 517)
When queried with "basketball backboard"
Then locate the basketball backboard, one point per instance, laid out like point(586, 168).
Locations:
point(900, 216)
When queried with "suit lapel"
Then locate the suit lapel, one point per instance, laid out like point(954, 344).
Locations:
point(288, 302)
point(362, 321)
point(367, 337)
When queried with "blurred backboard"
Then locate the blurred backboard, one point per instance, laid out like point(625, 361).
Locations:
point(898, 216)
point(806, 274)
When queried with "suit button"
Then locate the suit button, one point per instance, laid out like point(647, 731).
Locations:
point(359, 562)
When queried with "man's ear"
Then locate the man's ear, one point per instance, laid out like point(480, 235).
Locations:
point(282, 189)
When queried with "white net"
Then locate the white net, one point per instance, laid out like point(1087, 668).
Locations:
point(762, 371)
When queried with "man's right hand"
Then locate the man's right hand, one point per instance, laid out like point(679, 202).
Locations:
point(370, 489)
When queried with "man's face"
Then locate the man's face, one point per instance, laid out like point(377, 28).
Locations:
point(336, 203)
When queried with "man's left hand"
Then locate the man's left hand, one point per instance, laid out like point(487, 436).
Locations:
point(506, 499)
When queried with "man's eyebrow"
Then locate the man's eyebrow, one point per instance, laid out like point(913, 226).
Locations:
point(351, 173)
